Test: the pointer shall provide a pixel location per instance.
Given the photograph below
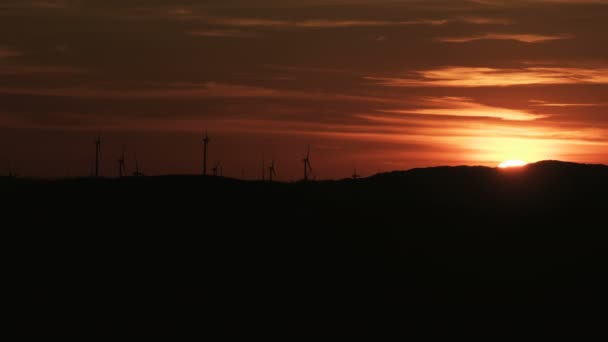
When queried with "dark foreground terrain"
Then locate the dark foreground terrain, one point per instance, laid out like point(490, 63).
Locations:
point(429, 251)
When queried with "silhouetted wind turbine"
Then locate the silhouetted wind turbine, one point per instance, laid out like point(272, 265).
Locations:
point(11, 173)
point(307, 166)
point(355, 174)
point(205, 144)
point(137, 173)
point(97, 154)
point(263, 168)
point(271, 171)
point(216, 169)
point(121, 165)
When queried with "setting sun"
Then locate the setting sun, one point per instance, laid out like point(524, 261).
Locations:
point(512, 163)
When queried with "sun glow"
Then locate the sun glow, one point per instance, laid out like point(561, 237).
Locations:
point(512, 163)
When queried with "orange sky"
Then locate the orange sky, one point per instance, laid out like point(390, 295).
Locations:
point(374, 84)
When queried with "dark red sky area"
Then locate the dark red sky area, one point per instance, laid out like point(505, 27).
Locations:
point(373, 84)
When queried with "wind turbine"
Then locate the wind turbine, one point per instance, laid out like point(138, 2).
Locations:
point(355, 174)
point(121, 165)
point(217, 169)
point(137, 173)
point(263, 168)
point(307, 166)
point(271, 171)
point(11, 173)
point(205, 144)
point(97, 154)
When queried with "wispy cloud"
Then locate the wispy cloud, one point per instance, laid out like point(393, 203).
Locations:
point(533, 2)
point(39, 4)
point(317, 23)
point(38, 69)
point(495, 77)
point(6, 52)
point(196, 91)
point(307, 69)
point(519, 37)
point(554, 104)
point(322, 23)
point(168, 91)
point(12, 67)
point(224, 33)
point(465, 107)
point(486, 21)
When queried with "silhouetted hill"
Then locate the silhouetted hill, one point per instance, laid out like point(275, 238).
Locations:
point(407, 248)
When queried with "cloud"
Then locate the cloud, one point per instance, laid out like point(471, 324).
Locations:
point(535, 2)
point(38, 69)
point(224, 33)
point(12, 68)
point(553, 104)
point(316, 23)
point(6, 52)
point(177, 91)
point(377, 38)
point(519, 37)
point(39, 4)
point(486, 21)
point(326, 23)
point(169, 91)
point(496, 77)
point(306, 69)
point(465, 107)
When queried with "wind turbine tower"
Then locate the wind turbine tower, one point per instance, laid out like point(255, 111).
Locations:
point(121, 165)
point(263, 168)
point(271, 171)
point(217, 169)
point(307, 166)
point(137, 173)
point(10, 170)
point(97, 155)
point(205, 144)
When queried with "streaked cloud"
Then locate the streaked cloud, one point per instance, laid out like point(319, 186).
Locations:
point(177, 91)
point(39, 4)
point(224, 33)
point(536, 2)
point(168, 91)
point(465, 107)
point(317, 23)
point(486, 21)
point(321, 23)
point(519, 37)
point(38, 69)
point(6, 52)
point(11, 67)
point(553, 104)
point(496, 77)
